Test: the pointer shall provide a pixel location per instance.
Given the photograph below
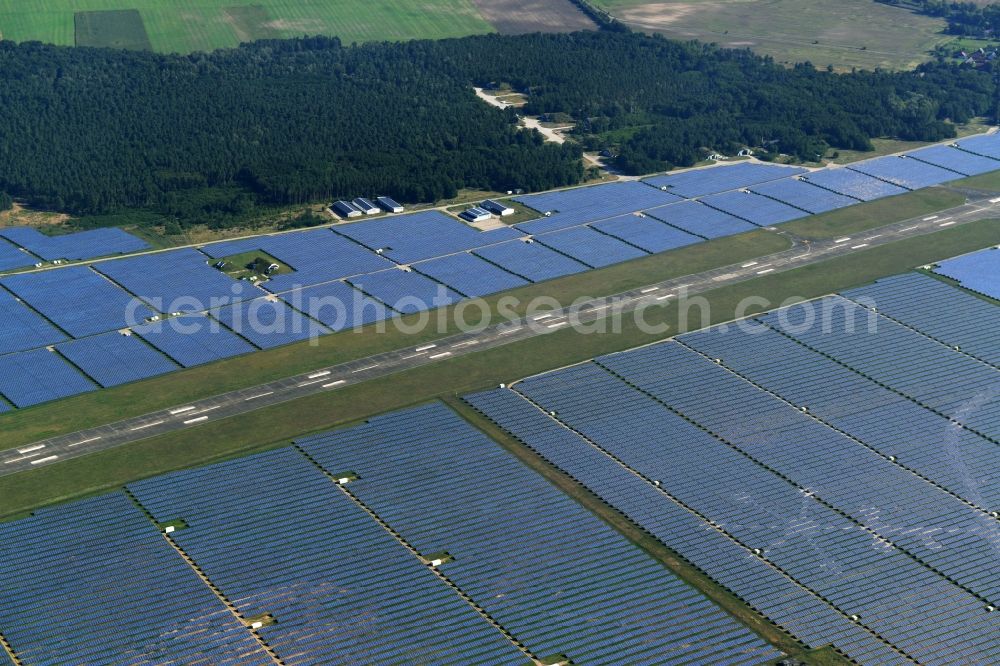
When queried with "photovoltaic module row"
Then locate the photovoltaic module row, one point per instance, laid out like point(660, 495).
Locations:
point(339, 588)
point(938, 310)
point(979, 271)
point(802, 195)
point(83, 583)
point(754, 208)
point(590, 247)
point(78, 300)
point(580, 591)
point(409, 238)
point(905, 172)
point(818, 458)
point(699, 182)
point(591, 227)
point(918, 439)
point(733, 565)
point(698, 219)
point(322, 581)
point(12, 257)
point(933, 374)
point(647, 233)
point(823, 468)
point(76, 246)
point(688, 462)
point(960, 161)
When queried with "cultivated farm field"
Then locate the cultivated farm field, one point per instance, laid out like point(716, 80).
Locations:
point(196, 25)
point(845, 33)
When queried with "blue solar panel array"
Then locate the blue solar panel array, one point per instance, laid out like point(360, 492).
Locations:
point(918, 439)
point(33, 377)
point(269, 324)
point(319, 256)
point(11, 257)
point(876, 540)
point(342, 574)
point(590, 247)
point(853, 184)
point(551, 573)
point(925, 370)
point(849, 476)
point(697, 218)
point(557, 221)
point(699, 182)
point(979, 271)
point(936, 309)
point(193, 340)
point(596, 226)
point(801, 194)
point(905, 172)
point(469, 275)
point(112, 359)
point(409, 238)
point(93, 583)
point(316, 255)
point(339, 588)
point(761, 584)
point(645, 232)
point(532, 261)
point(177, 281)
point(587, 204)
point(753, 208)
point(987, 145)
point(337, 305)
point(405, 291)
point(955, 159)
point(75, 247)
point(78, 300)
point(23, 328)
point(761, 437)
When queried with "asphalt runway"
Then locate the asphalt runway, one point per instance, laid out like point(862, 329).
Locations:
point(234, 403)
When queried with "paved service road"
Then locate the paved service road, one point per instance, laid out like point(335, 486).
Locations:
point(221, 406)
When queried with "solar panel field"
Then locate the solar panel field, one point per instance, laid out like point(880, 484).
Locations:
point(846, 496)
point(349, 274)
point(345, 559)
point(860, 487)
point(745, 414)
point(979, 271)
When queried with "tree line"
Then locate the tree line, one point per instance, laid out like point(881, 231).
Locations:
point(211, 138)
point(964, 18)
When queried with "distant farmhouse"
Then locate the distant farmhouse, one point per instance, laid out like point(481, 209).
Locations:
point(979, 58)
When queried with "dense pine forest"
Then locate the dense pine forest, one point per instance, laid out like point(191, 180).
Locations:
point(669, 101)
point(209, 137)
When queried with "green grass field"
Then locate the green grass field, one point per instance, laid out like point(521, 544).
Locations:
point(197, 25)
point(278, 425)
point(845, 33)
